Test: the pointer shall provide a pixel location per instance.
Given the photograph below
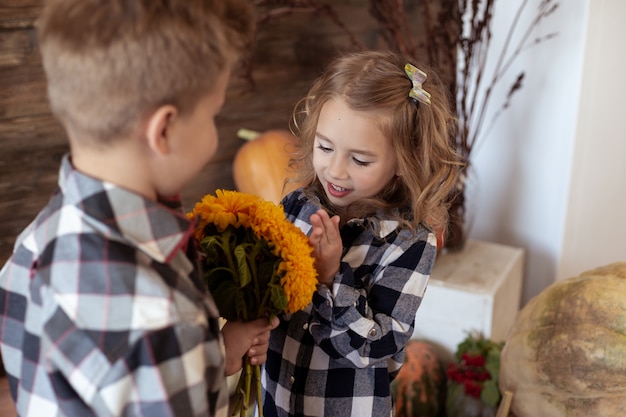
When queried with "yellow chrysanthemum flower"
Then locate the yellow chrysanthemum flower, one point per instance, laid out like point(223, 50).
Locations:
point(298, 277)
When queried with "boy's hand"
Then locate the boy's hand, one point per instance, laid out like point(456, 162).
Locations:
point(327, 246)
point(249, 338)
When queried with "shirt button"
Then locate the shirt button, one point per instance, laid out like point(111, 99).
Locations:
point(292, 379)
point(373, 332)
point(305, 326)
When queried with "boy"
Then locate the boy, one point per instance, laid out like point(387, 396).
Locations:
point(102, 307)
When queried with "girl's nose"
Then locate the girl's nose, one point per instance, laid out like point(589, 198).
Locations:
point(337, 168)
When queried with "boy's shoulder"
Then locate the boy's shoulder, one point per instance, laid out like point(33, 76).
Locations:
point(96, 241)
point(86, 214)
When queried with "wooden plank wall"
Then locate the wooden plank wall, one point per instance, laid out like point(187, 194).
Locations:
point(290, 52)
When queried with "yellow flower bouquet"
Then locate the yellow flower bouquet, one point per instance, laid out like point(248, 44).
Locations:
point(256, 264)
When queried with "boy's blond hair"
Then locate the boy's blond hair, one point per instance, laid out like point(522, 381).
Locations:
point(110, 63)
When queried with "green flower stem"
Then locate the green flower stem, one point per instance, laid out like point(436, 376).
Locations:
point(247, 385)
point(263, 304)
point(240, 395)
point(267, 297)
point(258, 247)
point(257, 378)
point(224, 243)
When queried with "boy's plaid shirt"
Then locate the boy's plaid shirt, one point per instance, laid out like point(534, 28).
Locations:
point(338, 356)
point(104, 313)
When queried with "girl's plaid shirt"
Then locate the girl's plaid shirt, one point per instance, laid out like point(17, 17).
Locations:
point(338, 356)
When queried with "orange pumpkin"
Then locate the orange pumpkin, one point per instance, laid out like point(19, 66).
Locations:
point(418, 389)
point(261, 165)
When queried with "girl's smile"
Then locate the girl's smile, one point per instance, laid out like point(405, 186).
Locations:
point(337, 191)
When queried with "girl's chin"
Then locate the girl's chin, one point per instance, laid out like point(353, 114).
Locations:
point(338, 202)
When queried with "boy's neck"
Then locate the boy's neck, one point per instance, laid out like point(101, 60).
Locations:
point(122, 163)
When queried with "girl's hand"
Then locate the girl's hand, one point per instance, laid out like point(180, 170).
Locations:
point(327, 246)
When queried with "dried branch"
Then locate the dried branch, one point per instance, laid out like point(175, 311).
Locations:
point(270, 11)
point(278, 9)
point(392, 18)
point(438, 31)
point(467, 32)
point(472, 117)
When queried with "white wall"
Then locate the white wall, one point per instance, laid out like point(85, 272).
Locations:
point(531, 161)
point(595, 227)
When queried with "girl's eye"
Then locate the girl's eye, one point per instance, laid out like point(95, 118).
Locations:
point(360, 163)
point(324, 148)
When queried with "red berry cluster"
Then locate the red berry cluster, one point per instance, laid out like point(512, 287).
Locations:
point(470, 372)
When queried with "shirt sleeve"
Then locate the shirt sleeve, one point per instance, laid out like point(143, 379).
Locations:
point(370, 325)
point(176, 370)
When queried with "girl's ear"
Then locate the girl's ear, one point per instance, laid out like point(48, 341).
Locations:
point(158, 129)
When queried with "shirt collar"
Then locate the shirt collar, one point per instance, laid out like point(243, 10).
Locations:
point(380, 228)
point(158, 229)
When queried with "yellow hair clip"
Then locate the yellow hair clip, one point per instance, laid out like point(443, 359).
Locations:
point(417, 77)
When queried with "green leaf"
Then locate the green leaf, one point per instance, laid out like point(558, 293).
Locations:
point(454, 399)
point(264, 270)
point(490, 394)
point(243, 269)
point(209, 246)
point(278, 297)
point(241, 306)
point(492, 363)
point(215, 276)
point(225, 295)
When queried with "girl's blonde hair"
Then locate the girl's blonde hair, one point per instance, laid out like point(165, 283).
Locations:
point(422, 135)
point(109, 63)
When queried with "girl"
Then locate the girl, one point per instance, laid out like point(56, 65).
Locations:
point(375, 152)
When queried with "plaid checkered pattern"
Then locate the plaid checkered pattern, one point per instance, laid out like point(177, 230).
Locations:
point(338, 356)
point(103, 311)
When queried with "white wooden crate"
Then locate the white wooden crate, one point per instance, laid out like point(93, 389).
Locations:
point(477, 289)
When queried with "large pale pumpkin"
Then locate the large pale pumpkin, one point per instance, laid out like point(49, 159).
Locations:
point(261, 165)
point(566, 354)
